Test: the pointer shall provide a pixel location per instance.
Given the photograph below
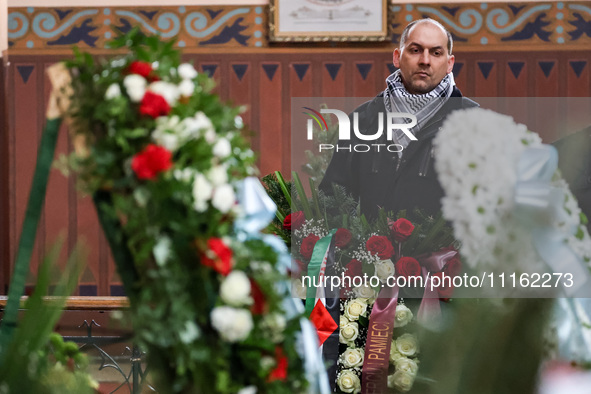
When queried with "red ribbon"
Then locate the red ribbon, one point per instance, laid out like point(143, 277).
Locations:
point(378, 343)
point(430, 311)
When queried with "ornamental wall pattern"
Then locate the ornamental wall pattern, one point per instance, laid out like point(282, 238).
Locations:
point(475, 26)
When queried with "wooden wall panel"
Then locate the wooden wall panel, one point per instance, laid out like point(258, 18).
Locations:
point(266, 81)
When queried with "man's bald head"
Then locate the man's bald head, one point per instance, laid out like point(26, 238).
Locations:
point(410, 26)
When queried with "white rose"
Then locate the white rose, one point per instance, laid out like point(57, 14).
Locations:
point(222, 148)
point(187, 71)
point(401, 381)
point(364, 291)
point(298, 290)
point(183, 175)
point(235, 289)
point(218, 175)
point(355, 308)
point(348, 381)
point(407, 365)
point(384, 269)
point(232, 324)
point(403, 316)
point(169, 91)
point(343, 320)
point(394, 354)
point(168, 140)
point(113, 91)
point(202, 191)
point(407, 345)
point(348, 332)
point(186, 88)
point(223, 198)
point(135, 85)
point(352, 358)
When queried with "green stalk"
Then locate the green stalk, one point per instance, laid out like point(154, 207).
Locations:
point(302, 193)
point(283, 186)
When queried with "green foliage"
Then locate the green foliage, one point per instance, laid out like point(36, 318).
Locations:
point(317, 163)
point(37, 360)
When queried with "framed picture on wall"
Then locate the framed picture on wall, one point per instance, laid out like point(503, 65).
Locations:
point(328, 20)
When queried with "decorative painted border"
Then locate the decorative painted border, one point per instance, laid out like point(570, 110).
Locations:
point(193, 26)
point(481, 26)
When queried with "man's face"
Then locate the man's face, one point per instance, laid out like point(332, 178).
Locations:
point(424, 60)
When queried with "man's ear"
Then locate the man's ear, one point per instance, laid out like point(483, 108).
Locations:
point(450, 63)
point(396, 58)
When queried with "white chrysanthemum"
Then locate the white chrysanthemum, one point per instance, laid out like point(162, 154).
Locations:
point(168, 90)
point(187, 71)
point(223, 198)
point(202, 192)
point(235, 289)
point(113, 91)
point(232, 324)
point(135, 86)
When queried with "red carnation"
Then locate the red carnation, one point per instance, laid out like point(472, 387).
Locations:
point(218, 256)
point(402, 229)
point(280, 371)
point(294, 220)
point(151, 161)
point(260, 304)
point(380, 245)
point(453, 267)
point(142, 68)
point(154, 105)
point(342, 238)
point(307, 246)
point(407, 267)
point(444, 290)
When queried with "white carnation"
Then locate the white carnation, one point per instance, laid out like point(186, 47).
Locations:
point(135, 85)
point(113, 91)
point(168, 90)
point(202, 192)
point(187, 71)
point(187, 88)
point(218, 175)
point(235, 289)
point(222, 148)
point(223, 198)
point(232, 324)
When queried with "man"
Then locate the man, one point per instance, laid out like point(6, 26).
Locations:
point(424, 86)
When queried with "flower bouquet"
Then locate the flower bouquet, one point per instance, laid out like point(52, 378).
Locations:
point(165, 162)
point(377, 272)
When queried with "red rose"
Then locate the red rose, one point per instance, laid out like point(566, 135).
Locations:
point(287, 222)
point(352, 270)
point(453, 267)
point(443, 289)
point(342, 238)
point(294, 220)
point(381, 246)
point(280, 371)
point(151, 161)
point(218, 256)
point(154, 105)
point(308, 246)
point(260, 304)
point(407, 267)
point(402, 229)
point(142, 68)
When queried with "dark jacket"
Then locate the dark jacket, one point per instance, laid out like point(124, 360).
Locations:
point(574, 161)
point(381, 179)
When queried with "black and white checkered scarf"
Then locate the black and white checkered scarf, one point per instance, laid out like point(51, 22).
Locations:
point(423, 106)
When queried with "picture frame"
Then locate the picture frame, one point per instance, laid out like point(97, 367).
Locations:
point(328, 20)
